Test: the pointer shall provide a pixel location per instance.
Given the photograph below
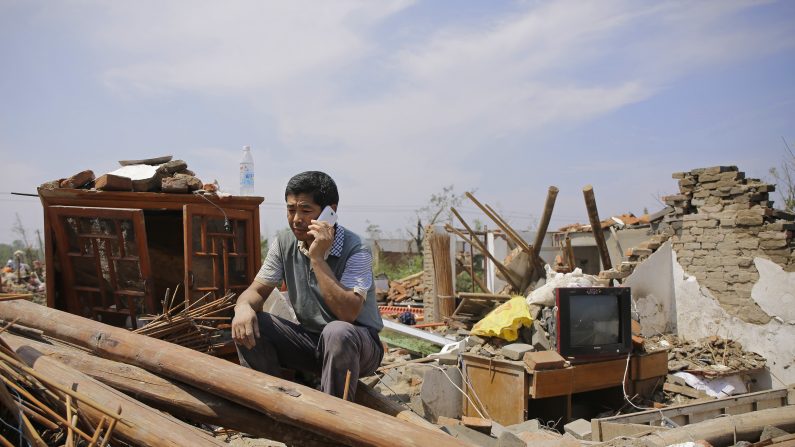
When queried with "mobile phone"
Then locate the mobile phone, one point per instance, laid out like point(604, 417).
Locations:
point(328, 215)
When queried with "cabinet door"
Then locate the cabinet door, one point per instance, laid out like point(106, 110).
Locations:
point(219, 254)
point(105, 262)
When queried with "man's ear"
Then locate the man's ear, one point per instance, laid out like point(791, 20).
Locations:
point(334, 207)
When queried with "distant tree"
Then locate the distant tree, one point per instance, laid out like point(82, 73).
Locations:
point(20, 230)
point(373, 230)
point(785, 178)
point(436, 211)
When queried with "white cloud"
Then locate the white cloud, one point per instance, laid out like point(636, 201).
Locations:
point(461, 92)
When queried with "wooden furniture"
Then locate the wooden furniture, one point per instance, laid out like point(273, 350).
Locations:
point(507, 389)
point(112, 255)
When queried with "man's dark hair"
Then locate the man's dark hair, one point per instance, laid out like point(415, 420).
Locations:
point(319, 184)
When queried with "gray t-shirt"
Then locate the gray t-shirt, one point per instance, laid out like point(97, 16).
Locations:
point(351, 263)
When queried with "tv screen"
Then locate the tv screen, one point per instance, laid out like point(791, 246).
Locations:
point(593, 322)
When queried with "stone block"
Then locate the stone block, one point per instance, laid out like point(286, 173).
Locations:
point(772, 243)
point(709, 245)
point(707, 223)
point(728, 222)
point(751, 243)
point(717, 285)
point(678, 175)
point(438, 395)
point(508, 439)
point(772, 235)
point(172, 167)
point(749, 218)
point(720, 169)
point(692, 246)
point(515, 351)
point(533, 425)
point(580, 429)
point(467, 434)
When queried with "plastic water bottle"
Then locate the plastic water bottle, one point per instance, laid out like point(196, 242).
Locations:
point(247, 173)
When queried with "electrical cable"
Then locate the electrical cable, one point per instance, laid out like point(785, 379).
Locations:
point(227, 224)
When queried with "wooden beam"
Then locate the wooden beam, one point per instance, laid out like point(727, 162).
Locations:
point(141, 424)
point(476, 243)
point(596, 227)
point(549, 205)
point(287, 402)
point(175, 398)
point(486, 296)
point(727, 430)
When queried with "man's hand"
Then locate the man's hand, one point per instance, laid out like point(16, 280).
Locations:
point(245, 326)
point(323, 235)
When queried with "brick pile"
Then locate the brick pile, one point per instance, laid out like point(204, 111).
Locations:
point(720, 222)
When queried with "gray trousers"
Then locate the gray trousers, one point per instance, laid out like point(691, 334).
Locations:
point(340, 348)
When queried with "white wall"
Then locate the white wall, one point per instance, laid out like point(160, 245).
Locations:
point(694, 313)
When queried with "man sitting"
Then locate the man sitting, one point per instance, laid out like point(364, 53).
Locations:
point(328, 272)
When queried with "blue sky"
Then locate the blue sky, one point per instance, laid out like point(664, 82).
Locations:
point(397, 99)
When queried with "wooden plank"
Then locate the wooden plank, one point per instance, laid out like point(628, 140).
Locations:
point(612, 430)
point(646, 366)
point(727, 430)
point(287, 402)
point(598, 375)
point(552, 383)
point(143, 200)
point(682, 414)
point(485, 296)
point(501, 386)
point(684, 390)
point(173, 397)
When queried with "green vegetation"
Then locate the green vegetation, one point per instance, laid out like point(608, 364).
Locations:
point(398, 270)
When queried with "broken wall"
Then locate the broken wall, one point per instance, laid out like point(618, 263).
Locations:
point(721, 221)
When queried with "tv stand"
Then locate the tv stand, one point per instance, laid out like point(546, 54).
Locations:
point(509, 390)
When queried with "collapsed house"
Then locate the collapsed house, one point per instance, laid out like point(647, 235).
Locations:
point(710, 358)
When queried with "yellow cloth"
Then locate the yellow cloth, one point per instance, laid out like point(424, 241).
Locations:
point(505, 320)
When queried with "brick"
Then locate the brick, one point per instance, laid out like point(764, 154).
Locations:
point(749, 220)
point(544, 360)
point(772, 243)
point(692, 246)
point(467, 434)
point(719, 169)
point(580, 429)
point(751, 243)
point(78, 180)
point(772, 235)
point(707, 223)
point(110, 182)
point(515, 351)
point(533, 425)
point(172, 167)
point(508, 439)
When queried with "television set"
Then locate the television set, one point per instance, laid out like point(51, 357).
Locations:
point(593, 322)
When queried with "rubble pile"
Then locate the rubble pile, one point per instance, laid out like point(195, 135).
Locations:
point(710, 357)
point(160, 174)
point(407, 289)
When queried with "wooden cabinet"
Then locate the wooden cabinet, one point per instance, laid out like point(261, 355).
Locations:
point(112, 255)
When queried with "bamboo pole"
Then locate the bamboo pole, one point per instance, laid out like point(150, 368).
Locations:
point(172, 397)
point(443, 273)
point(141, 424)
point(509, 231)
point(596, 227)
point(296, 405)
point(475, 242)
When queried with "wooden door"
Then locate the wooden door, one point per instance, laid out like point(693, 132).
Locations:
point(105, 262)
point(219, 251)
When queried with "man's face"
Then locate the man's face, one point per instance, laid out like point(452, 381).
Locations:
point(301, 210)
